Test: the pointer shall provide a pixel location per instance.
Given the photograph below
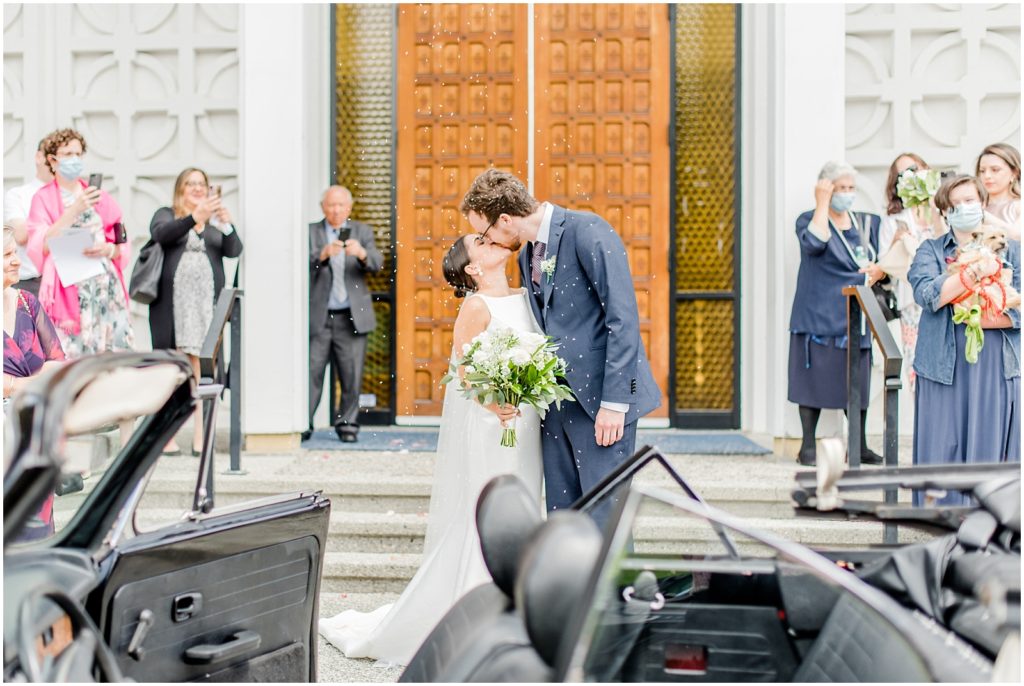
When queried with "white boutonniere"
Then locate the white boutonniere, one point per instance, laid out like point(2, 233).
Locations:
point(548, 267)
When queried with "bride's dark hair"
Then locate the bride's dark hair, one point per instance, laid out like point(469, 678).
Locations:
point(454, 265)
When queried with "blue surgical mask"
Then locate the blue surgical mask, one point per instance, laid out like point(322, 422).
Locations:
point(841, 202)
point(70, 168)
point(965, 216)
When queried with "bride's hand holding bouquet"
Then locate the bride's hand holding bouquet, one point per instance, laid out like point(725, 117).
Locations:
point(503, 369)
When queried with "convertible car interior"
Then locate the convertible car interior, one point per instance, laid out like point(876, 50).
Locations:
point(732, 604)
point(216, 594)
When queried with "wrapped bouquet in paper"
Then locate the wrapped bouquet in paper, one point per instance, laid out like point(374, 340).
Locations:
point(509, 368)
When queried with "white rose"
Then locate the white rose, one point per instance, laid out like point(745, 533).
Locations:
point(519, 356)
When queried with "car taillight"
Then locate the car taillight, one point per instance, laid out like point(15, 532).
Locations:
point(685, 659)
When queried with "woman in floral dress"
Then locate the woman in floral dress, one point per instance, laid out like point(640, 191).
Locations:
point(92, 315)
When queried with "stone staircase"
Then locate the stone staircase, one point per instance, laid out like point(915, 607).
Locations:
point(379, 504)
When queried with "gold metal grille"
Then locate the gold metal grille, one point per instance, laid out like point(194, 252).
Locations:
point(704, 355)
point(364, 124)
point(705, 203)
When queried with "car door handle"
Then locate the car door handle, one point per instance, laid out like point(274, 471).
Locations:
point(205, 654)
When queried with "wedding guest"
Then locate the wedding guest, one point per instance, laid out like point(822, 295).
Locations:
point(838, 247)
point(17, 203)
point(91, 316)
point(964, 413)
point(31, 347)
point(196, 234)
point(903, 229)
point(998, 167)
point(341, 253)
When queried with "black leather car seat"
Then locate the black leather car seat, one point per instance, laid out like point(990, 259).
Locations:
point(857, 645)
point(483, 623)
point(551, 585)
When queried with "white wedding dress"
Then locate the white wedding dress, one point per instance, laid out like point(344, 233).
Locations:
point(468, 456)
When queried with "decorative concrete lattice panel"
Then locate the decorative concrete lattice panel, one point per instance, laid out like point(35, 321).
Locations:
point(940, 80)
point(705, 167)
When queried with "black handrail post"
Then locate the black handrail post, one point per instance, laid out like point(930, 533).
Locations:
point(235, 386)
point(861, 304)
point(890, 449)
point(853, 324)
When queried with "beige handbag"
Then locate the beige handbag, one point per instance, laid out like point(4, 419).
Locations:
point(896, 262)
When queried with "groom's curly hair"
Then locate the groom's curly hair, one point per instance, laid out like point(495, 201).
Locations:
point(496, 192)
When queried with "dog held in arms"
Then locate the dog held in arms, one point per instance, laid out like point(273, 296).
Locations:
point(992, 295)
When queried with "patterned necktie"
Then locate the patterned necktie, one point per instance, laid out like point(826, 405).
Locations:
point(538, 257)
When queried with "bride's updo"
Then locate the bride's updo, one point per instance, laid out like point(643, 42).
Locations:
point(454, 265)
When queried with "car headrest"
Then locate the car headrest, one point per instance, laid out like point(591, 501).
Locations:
point(506, 515)
point(553, 575)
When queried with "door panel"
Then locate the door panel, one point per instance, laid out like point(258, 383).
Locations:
point(462, 105)
point(206, 582)
point(602, 110)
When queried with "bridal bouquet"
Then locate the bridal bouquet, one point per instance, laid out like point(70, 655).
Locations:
point(916, 187)
point(511, 368)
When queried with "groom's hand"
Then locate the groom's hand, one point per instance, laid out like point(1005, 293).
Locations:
point(608, 426)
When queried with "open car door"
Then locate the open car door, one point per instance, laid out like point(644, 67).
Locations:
point(220, 594)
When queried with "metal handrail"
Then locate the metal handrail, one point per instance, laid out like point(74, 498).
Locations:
point(860, 305)
point(227, 311)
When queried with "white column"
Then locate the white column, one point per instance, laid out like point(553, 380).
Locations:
point(792, 105)
point(284, 141)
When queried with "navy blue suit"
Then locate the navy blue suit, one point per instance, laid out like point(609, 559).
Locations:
point(589, 307)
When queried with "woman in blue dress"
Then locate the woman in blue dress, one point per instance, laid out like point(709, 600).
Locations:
point(965, 412)
point(837, 248)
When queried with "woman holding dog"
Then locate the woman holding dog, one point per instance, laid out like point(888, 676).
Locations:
point(838, 248)
point(964, 412)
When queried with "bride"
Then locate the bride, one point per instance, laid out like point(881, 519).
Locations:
point(468, 456)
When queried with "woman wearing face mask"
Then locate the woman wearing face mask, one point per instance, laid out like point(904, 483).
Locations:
point(837, 248)
point(998, 168)
point(91, 316)
point(903, 229)
point(964, 412)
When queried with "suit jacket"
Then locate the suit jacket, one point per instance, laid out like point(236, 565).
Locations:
point(172, 235)
point(590, 311)
point(321, 277)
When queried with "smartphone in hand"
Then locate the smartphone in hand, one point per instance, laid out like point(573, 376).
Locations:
point(215, 190)
point(120, 234)
point(96, 179)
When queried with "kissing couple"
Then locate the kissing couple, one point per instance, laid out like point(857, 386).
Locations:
point(579, 291)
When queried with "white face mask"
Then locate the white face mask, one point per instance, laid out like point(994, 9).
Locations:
point(965, 216)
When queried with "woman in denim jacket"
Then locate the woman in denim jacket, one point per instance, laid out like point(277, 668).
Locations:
point(964, 412)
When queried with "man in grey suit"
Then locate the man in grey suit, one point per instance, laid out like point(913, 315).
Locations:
point(575, 268)
point(341, 253)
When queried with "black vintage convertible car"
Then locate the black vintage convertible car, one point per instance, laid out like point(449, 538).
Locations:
point(733, 603)
point(222, 594)
point(230, 593)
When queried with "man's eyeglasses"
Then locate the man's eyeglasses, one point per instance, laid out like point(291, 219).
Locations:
point(481, 238)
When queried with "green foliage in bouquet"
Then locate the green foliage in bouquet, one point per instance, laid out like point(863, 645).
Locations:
point(510, 368)
point(918, 187)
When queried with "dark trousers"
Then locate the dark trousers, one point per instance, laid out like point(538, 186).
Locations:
point(339, 338)
point(574, 462)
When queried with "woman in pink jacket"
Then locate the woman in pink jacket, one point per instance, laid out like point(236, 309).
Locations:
point(92, 315)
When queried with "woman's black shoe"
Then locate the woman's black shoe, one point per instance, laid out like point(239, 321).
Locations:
point(870, 457)
point(807, 457)
point(69, 483)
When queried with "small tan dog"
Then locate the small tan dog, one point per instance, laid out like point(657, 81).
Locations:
point(994, 294)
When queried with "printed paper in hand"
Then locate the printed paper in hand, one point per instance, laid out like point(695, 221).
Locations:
point(66, 251)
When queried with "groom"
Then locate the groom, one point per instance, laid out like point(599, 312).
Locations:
point(575, 268)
